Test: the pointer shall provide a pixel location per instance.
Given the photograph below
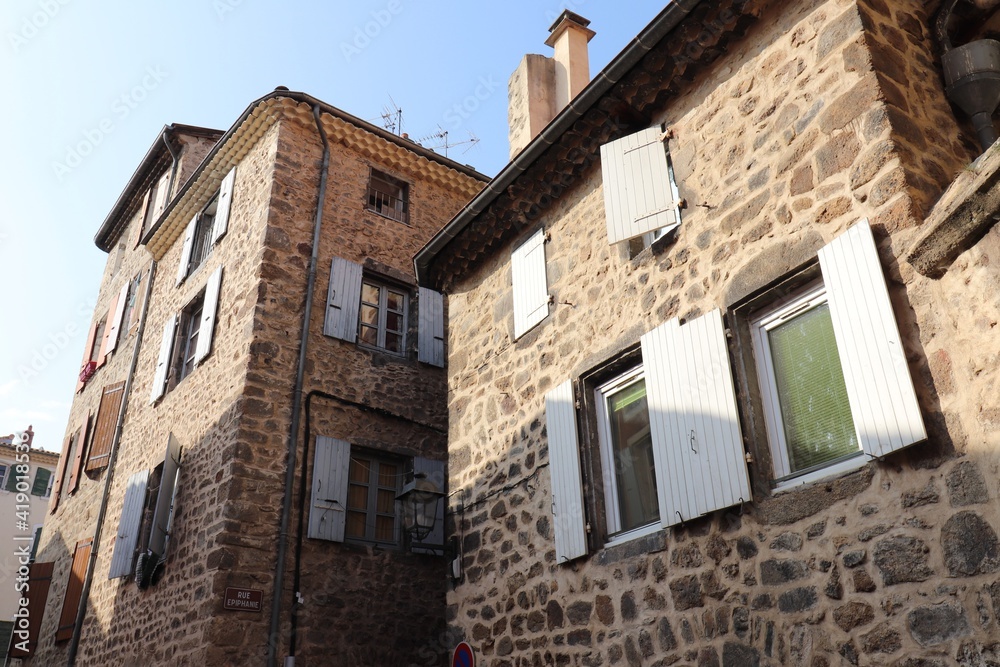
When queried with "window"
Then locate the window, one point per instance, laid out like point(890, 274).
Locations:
point(71, 461)
point(4, 470)
point(104, 427)
point(371, 499)
point(98, 340)
point(156, 202)
point(206, 228)
point(42, 485)
point(388, 196)
point(188, 342)
point(529, 283)
point(382, 319)
point(133, 309)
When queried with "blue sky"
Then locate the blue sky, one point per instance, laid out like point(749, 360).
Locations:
point(89, 86)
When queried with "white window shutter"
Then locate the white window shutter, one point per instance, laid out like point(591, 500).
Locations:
point(430, 347)
point(530, 284)
point(638, 195)
point(879, 387)
point(694, 422)
point(343, 300)
point(568, 521)
point(162, 196)
point(123, 556)
point(115, 323)
point(182, 268)
point(164, 511)
point(328, 513)
point(225, 202)
point(434, 470)
point(208, 312)
point(163, 362)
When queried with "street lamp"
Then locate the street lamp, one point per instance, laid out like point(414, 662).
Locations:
point(420, 500)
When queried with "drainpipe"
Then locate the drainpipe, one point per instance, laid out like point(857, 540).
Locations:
point(173, 157)
point(293, 435)
point(81, 610)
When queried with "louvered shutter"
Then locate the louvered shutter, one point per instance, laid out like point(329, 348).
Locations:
point(41, 483)
point(74, 590)
point(221, 223)
point(123, 556)
point(206, 333)
point(328, 513)
point(115, 319)
point(697, 443)
point(91, 337)
point(163, 362)
point(343, 300)
point(879, 387)
point(430, 347)
point(164, 510)
point(434, 471)
point(568, 521)
point(39, 580)
point(182, 268)
point(530, 285)
point(81, 447)
point(638, 194)
point(61, 467)
point(104, 426)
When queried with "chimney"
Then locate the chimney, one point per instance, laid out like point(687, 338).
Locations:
point(541, 87)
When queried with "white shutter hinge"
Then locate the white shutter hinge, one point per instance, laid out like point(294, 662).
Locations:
point(547, 237)
point(552, 299)
point(749, 457)
point(667, 134)
point(576, 404)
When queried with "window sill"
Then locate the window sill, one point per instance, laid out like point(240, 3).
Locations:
point(836, 470)
point(646, 540)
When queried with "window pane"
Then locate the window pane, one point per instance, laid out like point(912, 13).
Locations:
point(385, 528)
point(369, 335)
point(369, 293)
point(811, 390)
point(393, 342)
point(357, 497)
point(369, 315)
point(385, 502)
point(395, 301)
point(393, 322)
point(355, 525)
point(632, 447)
point(387, 475)
point(358, 471)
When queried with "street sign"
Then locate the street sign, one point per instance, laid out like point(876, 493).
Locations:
point(243, 599)
point(464, 657)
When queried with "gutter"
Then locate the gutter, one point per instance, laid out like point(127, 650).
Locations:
point(643, 43)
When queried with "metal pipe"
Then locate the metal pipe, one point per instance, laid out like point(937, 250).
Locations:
point(941, 25)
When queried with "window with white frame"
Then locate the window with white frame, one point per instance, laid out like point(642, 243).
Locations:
point(382, 317)
point(206, 228)
point(388, 196)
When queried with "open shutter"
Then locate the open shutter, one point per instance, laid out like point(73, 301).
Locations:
point(694, 422)
point(209, 308)
point(81, 447)
point(164, 510)
point(182, 268)
point(638, 195)
point(141, 218)
point(123, 556)
point(39, 580)
point(80, 384)
point(328, 514)
point(138, 300)
point(61, 467)
point(879, 387)
point(343, 300)
point(162, 197)
point(568, 521)
point(531, 289)
point(115, 317)
point(104, 426)
point(430, 347)
point(74, 590)
point(434, 471)
point(163, 362)
point(221, 223)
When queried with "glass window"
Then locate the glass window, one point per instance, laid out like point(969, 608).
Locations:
point(382, 318)
point(189, 330)
point(371, 499)
point(388, 196)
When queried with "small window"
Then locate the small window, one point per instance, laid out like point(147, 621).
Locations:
point(382, 320)
point(99, 331)
point(388, 196)
point(371, 499)
point(4, 470)
point(202, 245)
point(187, 343)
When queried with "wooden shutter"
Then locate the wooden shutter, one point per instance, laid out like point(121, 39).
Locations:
point(328, 513)
point(568, 520)
point(74, 590)
point(530, 285)
point(435, 472)
point(164, 510)
point(41, 483)
point(104, 426)
point(141, 227)
point(61, 472)
point(81, 447)
point(86, 354)
point(694, 423)
point(11, 483)
point(638, 194)
point(223, 206)
point(879, 387)
point(123, 556)
point(206, 332)
point(163, 362)
point(343, 300)
point(430, 347)
point(39, 580)
point(182, 268)
point(115, 315)
point(162, 196)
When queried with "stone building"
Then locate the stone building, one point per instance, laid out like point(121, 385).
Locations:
point(723, 351)
point(262, 378)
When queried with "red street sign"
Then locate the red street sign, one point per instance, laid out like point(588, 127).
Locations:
point(243, 599)
point(464, 657)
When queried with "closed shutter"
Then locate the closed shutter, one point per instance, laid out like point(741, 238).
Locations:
point(328, 513)
point(697, 443)
point(568, 521)
point(206, 333)
point(141, 220)
point(343, 300)
point(163, 362)
point(41, 483)
point(123, 556)
point(164, 510)
point(162, 197)
point(61, 467)
point(12, 474)
point(430, 348)
point(81, 447)
point(221, 223)
point(638, 194)
point(104, 426)
point(86, 354)
point(39, 580)
point(74, 590)
point(182, 268)
point(434, 471)
point(879, 387)
point(115, 317)
point(530, 285)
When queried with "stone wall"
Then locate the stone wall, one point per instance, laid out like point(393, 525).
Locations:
point(793, 135)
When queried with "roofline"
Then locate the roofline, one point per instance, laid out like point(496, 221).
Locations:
point(643, 43)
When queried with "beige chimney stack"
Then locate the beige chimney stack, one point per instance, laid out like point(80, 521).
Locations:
point(541, 87)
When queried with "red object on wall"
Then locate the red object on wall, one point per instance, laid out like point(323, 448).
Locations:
point(87, 371)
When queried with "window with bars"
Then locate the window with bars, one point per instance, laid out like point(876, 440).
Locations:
point(382, 321)
point(371, 499)
point(388, 196)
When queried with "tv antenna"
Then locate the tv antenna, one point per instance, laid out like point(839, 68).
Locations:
point(392, 117)
point(443, 140)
